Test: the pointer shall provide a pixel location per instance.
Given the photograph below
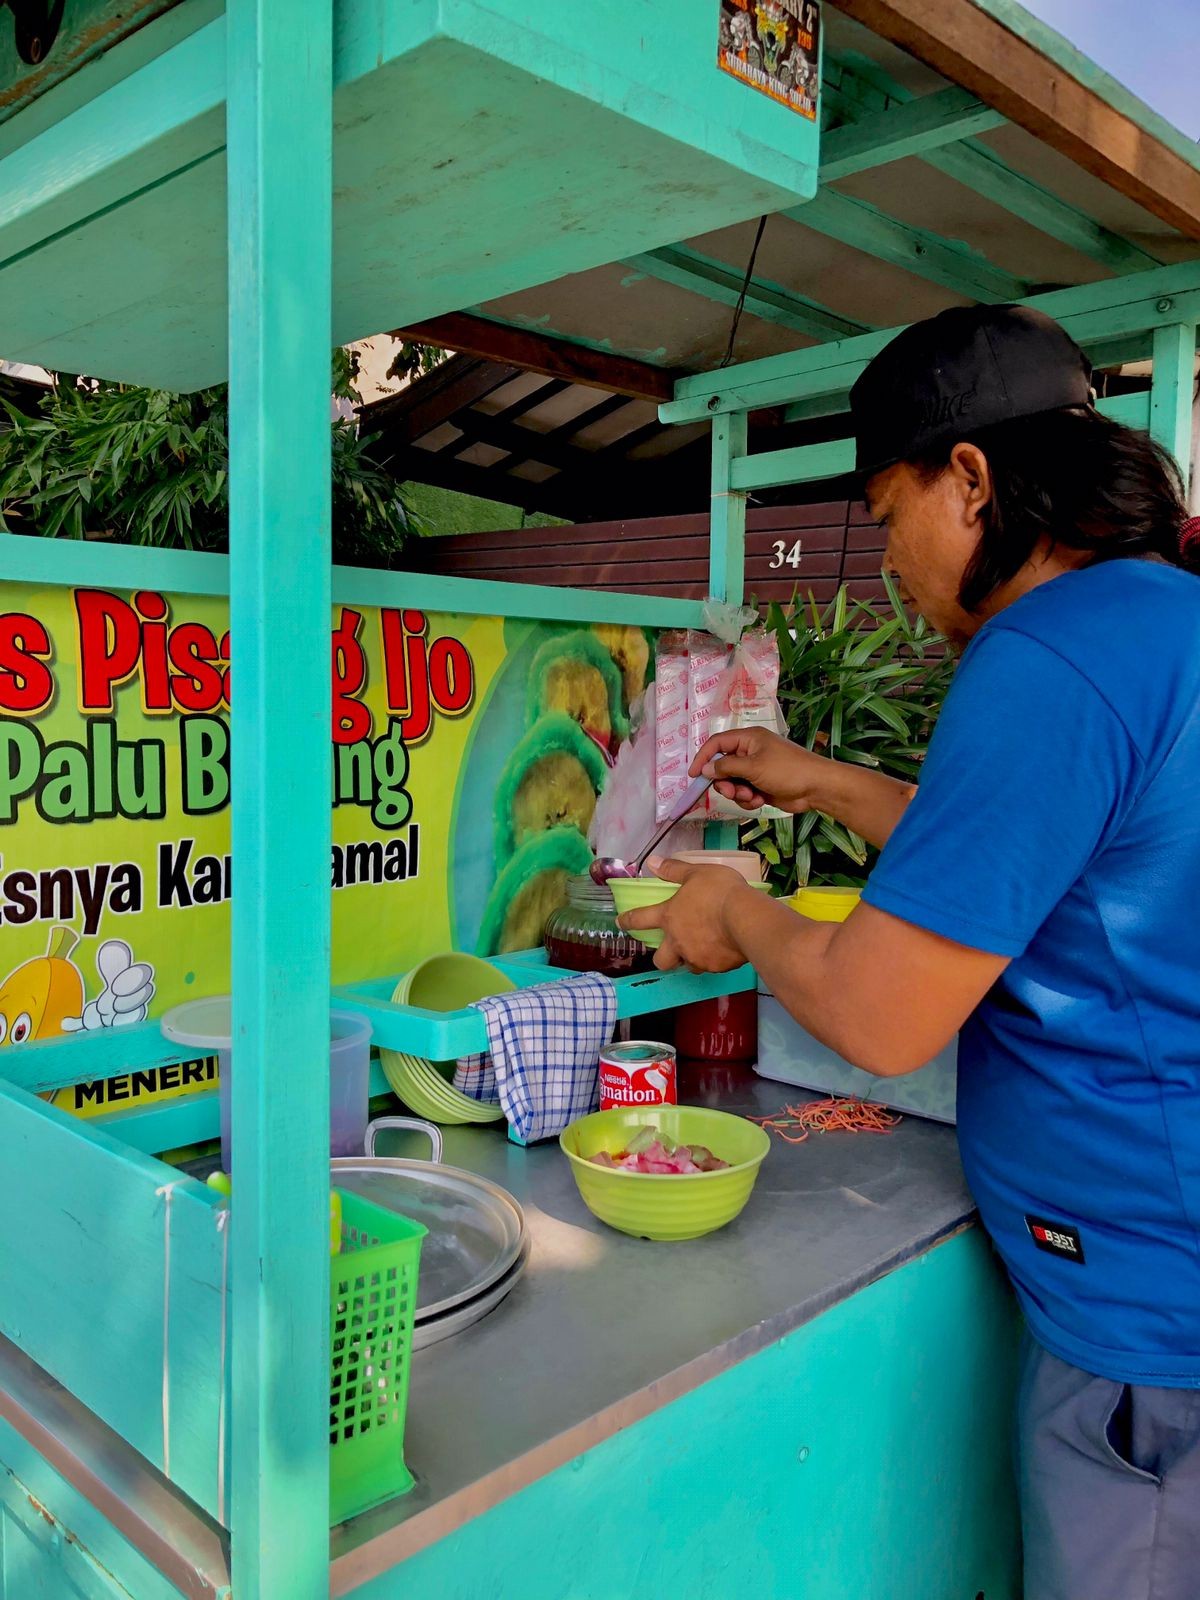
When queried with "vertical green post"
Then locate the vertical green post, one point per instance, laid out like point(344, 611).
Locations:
point(279, 176)
point(727, 526)
point(1173, 391)
point(726, 551)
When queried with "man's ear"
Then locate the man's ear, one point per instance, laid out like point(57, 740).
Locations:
point(973, 478)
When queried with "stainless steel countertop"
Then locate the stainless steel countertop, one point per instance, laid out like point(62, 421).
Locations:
point(580, 1339)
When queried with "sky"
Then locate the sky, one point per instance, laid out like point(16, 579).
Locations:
point(1151, 46)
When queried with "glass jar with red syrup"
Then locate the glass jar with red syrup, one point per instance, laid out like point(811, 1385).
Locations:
point(583, 936)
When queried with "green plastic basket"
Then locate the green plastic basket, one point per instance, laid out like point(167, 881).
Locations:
point(372, 1306)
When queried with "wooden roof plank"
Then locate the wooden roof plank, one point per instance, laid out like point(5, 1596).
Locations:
point(494, 340)
point(686, 268)
point(990, 51)
point(864, 227)
point(852, 92)
point(421, 407)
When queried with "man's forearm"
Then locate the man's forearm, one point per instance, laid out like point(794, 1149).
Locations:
point(791, 954)
point(867, 802)
point(885, 995)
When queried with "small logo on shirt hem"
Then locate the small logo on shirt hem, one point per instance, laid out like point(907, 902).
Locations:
point(1056, 1239)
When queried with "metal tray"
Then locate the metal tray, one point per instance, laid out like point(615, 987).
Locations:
point(432, 1330)
point(476, 1229)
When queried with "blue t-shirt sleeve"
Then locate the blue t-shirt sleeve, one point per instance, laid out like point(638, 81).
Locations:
point(1028, 772)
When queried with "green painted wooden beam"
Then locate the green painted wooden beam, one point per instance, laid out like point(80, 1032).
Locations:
point(980, 169)
point(853, 90)
point(1092, 313)
point(85, 564)
point(923, 125)
point(1131, 410)
point(727, 524)
point(813, 462)
point(807, 463)
point(167, 1124)
point(140, 132)
point(100, 1053)
point(927, 255)
point(1120, 352)
point(686, 268)
point(822, 405)
point(280, 192)
point(1173, 392)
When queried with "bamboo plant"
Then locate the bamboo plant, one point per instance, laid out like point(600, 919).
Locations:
point(145, 466)
point(859, 683)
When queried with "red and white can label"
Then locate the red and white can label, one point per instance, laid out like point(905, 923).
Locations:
point(637, 1074)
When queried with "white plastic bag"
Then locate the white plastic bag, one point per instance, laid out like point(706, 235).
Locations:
point(709, 681)
point(625, 814)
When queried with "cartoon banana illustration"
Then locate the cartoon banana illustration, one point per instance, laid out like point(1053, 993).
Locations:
point(38, 996)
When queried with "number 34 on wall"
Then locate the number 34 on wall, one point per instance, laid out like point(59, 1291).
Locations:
point(783, 557)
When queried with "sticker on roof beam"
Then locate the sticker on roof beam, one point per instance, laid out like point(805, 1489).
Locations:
point(774, 46)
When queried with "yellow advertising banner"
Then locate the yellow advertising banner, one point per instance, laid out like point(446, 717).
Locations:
point(468, 753)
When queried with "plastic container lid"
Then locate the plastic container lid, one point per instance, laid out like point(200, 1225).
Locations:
point(207, 1024)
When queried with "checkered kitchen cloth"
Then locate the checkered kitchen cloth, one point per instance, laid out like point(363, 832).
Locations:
point(544, 1056)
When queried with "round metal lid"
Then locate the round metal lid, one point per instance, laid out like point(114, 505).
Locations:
point(476, 1229)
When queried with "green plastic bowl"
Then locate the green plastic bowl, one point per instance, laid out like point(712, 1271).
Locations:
point(450, 982)
point(664, 1207)
point(447, 982)
point(632, 893)
point(425, 1091)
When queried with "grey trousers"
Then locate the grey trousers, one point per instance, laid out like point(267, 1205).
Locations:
point(1110, 1485)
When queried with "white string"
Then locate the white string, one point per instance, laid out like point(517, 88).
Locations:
point(223, 1230)
point(166, 1191)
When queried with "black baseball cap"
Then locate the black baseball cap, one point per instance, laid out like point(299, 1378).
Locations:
point(965, 369)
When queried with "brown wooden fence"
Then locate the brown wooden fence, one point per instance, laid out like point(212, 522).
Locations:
point(810, 548)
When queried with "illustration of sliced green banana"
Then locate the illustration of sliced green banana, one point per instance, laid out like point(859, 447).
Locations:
point(575, 674)
point(532, 885)
point(633, 653)
point(551, 779)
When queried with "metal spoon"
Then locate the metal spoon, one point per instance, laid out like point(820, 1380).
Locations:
point(606, 867)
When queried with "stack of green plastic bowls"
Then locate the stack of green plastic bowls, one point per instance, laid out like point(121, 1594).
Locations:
point(448, 982)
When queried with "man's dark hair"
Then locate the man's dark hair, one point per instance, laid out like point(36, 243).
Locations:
point(1078, 480)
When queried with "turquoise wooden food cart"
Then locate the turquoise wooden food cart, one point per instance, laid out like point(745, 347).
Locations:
point(810, 1404)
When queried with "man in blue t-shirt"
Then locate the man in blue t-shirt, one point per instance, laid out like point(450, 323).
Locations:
point(1039, 894)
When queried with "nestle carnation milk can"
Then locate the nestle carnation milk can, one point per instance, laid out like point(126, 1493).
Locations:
point(637, 1074)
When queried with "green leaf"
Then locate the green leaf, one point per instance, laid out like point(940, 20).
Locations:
point(806, 825)
point(886, 712)
point(842, 841)
point(803, 865)
point(872, 643)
